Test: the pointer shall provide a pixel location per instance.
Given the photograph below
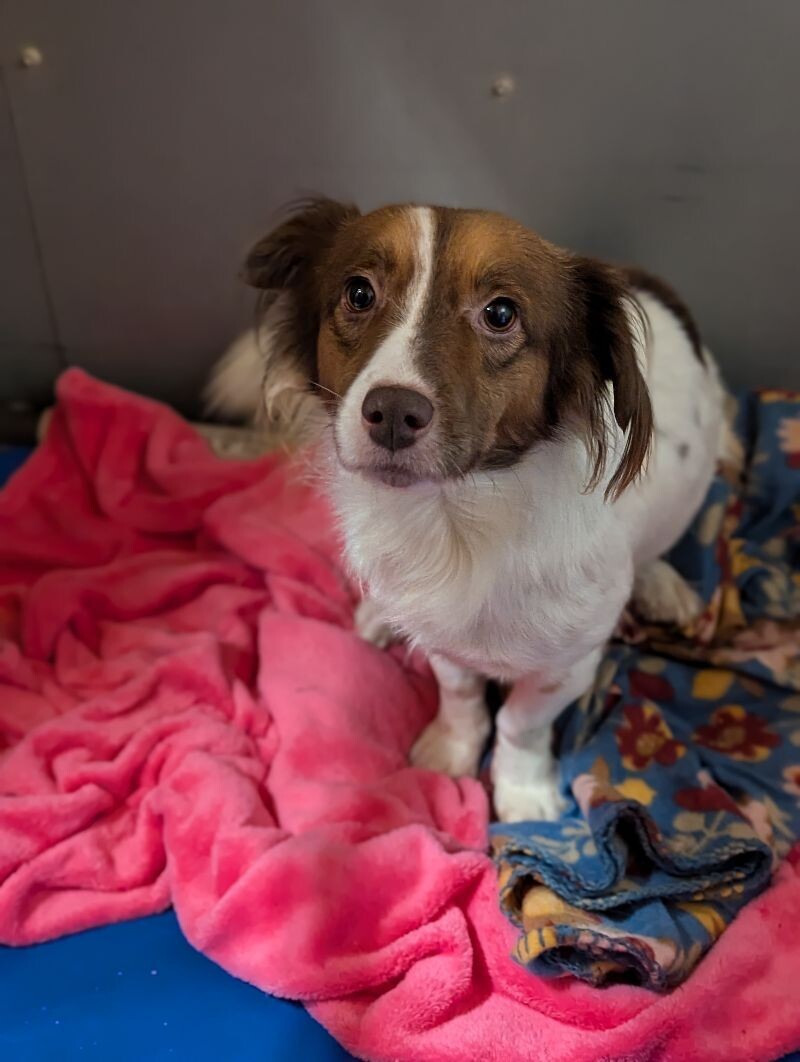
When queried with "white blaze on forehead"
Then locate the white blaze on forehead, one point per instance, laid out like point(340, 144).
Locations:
point(394, 358)
point(392, 364)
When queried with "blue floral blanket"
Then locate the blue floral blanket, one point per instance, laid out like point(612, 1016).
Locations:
point(683, 763)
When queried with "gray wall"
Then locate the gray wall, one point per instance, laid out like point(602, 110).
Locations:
point(158, 137)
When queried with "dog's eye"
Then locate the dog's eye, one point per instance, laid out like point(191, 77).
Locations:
point(499, 315)
point(359, 294)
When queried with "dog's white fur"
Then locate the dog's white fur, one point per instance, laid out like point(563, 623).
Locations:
point(521, 574)
point(249, 383)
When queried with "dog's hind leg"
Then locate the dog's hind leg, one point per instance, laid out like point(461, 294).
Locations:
point(662, 595)
point(370, 624)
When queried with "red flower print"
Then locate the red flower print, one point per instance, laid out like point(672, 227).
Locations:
point(706, 798)
point(644, 738)
point(739, 734)
point(613, 697)
point(653, 687)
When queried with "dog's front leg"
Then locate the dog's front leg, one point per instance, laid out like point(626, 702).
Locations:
point(454, 741)
point(524, 770)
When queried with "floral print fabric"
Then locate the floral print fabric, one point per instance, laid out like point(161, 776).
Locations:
point(683, 763)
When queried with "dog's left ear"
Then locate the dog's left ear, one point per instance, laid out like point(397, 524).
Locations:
point(603, 321)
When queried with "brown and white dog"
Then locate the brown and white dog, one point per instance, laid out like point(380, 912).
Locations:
point(516, 434)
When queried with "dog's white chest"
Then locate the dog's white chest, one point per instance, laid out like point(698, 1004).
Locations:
point(524, 624)
point(502, 587)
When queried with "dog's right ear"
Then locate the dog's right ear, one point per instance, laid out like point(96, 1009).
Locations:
point(285, 257)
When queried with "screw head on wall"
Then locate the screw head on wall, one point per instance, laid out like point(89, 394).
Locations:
point(503, 86)
point(30, 56)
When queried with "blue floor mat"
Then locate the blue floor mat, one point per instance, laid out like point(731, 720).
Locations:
point(11, 457)
point(137, 991)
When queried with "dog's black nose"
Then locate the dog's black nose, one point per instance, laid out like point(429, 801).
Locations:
point(396, 416)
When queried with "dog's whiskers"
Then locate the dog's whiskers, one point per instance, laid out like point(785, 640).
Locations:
point(322, 387)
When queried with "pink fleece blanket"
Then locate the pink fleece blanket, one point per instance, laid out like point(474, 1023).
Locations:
point(187, 718)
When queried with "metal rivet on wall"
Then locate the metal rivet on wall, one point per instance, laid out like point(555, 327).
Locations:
point(30, 56)
point(503, 86)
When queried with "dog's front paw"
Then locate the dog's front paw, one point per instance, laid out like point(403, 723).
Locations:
point(448, 751)
point(538, 800)
point(370, 625)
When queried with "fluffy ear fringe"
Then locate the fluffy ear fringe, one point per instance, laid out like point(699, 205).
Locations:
point(610, 350)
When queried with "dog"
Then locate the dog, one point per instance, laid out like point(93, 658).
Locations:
point(512, 436)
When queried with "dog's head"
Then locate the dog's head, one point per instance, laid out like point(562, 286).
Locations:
point(448, 341)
